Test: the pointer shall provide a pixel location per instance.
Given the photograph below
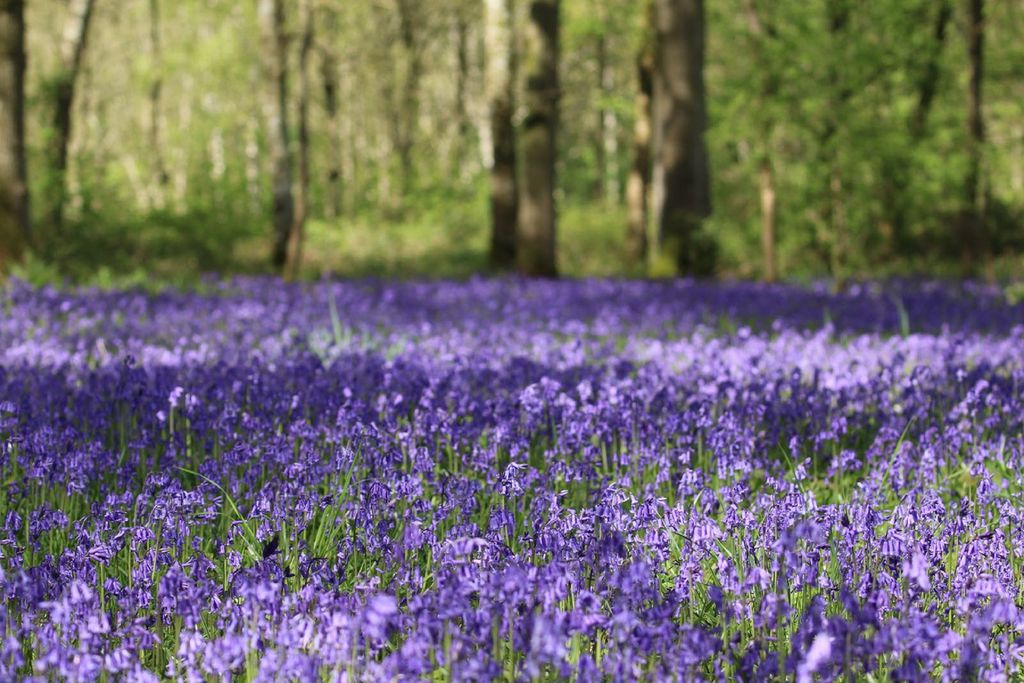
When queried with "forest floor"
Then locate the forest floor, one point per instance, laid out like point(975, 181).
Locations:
point(449, 240)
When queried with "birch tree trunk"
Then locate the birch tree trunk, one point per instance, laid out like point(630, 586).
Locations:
point(681, 185)
point(275, 104)
point(14, 207)
point(500, 64)
point(536, 237)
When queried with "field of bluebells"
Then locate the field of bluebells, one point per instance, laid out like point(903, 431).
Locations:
point(507, 480)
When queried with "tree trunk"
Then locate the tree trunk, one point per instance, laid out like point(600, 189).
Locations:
point(766, 181)
point(73, 41)
point(275, 104)
point(928, 85)
point(762, 31)
point(160, 175)
point(179, 155)
point(608, 145)
point(500, 57)
point(600, 156)
point(638, 184)
point(835, 207)
point(298, 228)
point(462, 122)
point(252, 164)
point(681, 186)
point(896, 173)
point(974, 238)
point(409, 18)
point(14, 213)
point(329, 76)
point(536, 237)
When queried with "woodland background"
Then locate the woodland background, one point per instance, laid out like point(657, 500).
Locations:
point(847, 139)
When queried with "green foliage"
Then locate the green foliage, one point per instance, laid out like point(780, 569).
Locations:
point(820, 107)
point(135, 249)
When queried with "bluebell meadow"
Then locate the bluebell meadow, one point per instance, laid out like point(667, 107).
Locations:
point(511, 480)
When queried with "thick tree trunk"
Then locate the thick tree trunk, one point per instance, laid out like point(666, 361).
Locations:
point(500, 57)
point(536, 236)
point(275, 104)
point(298, 228)
point(974, 238)
point(160, 175)
point(73, 41)
point(681, 185)
point(14, 209)
point(638, 184)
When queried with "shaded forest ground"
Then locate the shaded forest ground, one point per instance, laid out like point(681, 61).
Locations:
point(437, 237)
point(440, 237)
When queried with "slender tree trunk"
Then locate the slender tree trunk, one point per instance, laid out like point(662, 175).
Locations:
point(766, 183)
point(409, 18)
point(975, 240)
point(217, 162)
point(835, 209)
point(500, 57)
point(536, 236)
point(73, 42)
point(610, 143)
point(160, 175)
point(600, 153)
point(462, 122)
point(14, 208)
point(179, 155)
point(352, 148)
point(608, 127)
point(252, 164)
point(928, 85)
point(329, 77)
point(762, 31)
point(275, 58)
point(897, 172)
point(638, 184)
point(298, 228)
point(681, 186)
